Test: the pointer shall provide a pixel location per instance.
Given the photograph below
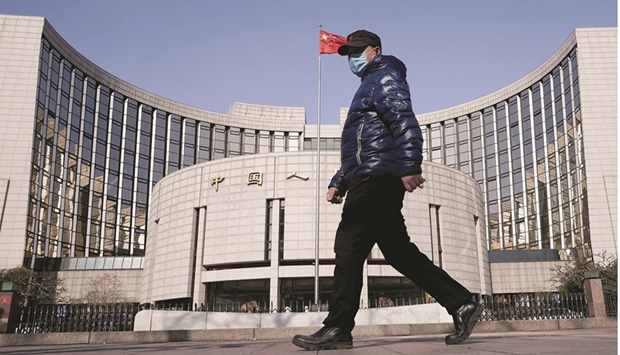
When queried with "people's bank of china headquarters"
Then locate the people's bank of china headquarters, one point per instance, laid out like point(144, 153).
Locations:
point(189, 205)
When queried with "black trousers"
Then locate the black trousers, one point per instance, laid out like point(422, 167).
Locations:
point(372, 214)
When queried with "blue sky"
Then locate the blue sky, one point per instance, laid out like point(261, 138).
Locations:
point(209, 54)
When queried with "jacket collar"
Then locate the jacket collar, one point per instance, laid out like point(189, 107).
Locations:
point(381, 62)
point(375, 63)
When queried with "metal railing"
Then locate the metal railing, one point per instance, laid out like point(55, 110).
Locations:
point(60, 318)
point(270, 307)
point(534, 306)
point(247, 307)
point(610, 293)
point(120, 317)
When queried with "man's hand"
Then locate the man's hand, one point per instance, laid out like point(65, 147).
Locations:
point(412, 182)
point(332, 196)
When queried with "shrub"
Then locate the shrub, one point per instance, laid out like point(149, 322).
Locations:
point(569, 277)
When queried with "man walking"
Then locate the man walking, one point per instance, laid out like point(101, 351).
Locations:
point(381, 158)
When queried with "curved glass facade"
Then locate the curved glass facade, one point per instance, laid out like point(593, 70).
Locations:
point(527, 154)
point(97, 155)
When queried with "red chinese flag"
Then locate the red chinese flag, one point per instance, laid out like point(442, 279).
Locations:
point(329, 42)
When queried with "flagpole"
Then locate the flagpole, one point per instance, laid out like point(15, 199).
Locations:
point(318, 188)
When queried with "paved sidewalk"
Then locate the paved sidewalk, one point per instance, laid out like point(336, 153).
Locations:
point(580, 341)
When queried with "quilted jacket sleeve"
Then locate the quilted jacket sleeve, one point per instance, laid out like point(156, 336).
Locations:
point(393, 102)
point(339, 182)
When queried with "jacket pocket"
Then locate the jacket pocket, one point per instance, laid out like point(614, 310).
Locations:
point(359, 144)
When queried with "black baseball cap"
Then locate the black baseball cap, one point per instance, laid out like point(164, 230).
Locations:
point(359, 39)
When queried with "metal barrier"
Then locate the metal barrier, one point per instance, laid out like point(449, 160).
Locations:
point(60, 318)
point(610, 293)
point(247, 307)
point(553, 305)
point(534, 306)
point(292, 306)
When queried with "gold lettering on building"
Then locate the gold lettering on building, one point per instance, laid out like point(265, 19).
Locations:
point(296, 174)
point(216, 181)
point(255, 178)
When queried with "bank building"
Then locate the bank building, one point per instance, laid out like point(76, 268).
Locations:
point(186, 205)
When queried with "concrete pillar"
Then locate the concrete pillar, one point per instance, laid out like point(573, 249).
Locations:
point(274, 282)
point(364, 301)
point(9, 310)
point(593, 288)
point(199, 296)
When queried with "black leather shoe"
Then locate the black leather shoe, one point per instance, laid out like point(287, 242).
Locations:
point(326, 338)
point(464, 320)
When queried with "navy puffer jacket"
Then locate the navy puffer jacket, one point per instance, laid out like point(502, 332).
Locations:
point(381, 135)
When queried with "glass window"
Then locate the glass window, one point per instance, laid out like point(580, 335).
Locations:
point(310, 143)
point(298, 293)
point(281, 230)
point(436, 139)
point(234, 141)
point(129, 163)
point(425, 142)
point(227, 294)
point(80, 264)
point(450, 140)
point(568, 99)
point(398, 291)
point(109, 245)
point(489, 123)
point(293, 142)
point(463, 128)
point(278, 142)
point(189, 142)
point(78, 83)
point(264, 142)
point(131, 120)
point(103, 111)
point(159, 158)
point(87, 148)
point(146, 126)
point(127, 188)
point(204, 142)
point(161, 124)
point(268, 229)
point(174, 141)
point(89, 109)
point(136, 263)
point(54, 72)
point(44, 62)
point(249, 142)
point(489, 141)
point(219, 142)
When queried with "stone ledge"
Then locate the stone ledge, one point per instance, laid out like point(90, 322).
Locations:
point(381, 330)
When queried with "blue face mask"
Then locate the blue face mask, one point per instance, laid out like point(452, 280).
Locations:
point(357, 63)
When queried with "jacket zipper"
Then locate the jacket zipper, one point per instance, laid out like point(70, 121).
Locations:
point(359, 144)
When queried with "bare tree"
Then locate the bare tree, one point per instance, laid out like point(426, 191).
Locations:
point(106, 288)
point(35, 287)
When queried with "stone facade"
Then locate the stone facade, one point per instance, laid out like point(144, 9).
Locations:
point(198, 224)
